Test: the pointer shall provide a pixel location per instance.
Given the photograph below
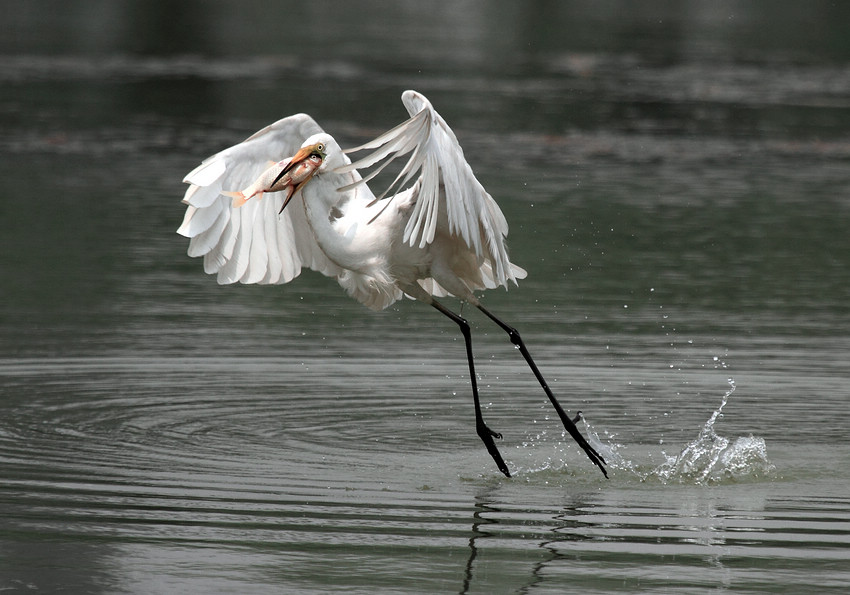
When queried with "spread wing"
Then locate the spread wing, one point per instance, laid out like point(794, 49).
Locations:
point(446, 185)
point(251, 244)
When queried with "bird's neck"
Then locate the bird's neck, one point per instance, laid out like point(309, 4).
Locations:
point(340, 220)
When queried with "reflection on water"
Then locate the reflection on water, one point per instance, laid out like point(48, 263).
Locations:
point(267, 476)
point(676, 180)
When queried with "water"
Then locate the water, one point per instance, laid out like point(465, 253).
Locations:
point(676, 179)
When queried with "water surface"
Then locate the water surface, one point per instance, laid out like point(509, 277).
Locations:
point(676, 181)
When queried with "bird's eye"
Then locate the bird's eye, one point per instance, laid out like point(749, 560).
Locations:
point(320, 147)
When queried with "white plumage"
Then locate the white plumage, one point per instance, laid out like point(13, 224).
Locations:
point(452, 228)
point(251, 244)
point(435, 231)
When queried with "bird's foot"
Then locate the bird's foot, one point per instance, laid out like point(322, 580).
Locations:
point(487, 435)
point(493, 433)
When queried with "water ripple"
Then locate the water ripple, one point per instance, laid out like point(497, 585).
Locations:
point(157, 456)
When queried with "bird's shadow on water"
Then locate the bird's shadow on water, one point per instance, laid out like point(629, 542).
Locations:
point(492, 521)
point(476, 533)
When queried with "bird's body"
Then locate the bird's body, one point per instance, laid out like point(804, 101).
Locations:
point(372, 258)
point(442, 235)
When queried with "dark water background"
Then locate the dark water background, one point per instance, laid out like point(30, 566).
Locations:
point(677, 179)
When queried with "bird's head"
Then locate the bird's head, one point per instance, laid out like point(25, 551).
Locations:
point(323, 145)
point(310, 160)
point(321, 148)
point(311, 148)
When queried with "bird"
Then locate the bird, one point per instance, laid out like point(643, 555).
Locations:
point(434, 232)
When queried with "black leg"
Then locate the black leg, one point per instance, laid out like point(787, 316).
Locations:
point(484, 432)
point(569, 425)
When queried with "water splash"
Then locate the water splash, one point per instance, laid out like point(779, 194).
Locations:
point(610, 451)
point(710, 458)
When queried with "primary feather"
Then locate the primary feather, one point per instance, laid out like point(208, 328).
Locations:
point(434, 199)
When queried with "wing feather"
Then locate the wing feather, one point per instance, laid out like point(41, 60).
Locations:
point(446, 184)
point(251, 244)
point(275, 269)
point(207, 237)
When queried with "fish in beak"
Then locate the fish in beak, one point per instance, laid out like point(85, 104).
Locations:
point(289, 175)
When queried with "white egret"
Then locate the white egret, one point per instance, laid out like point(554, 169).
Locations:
point(434, 232)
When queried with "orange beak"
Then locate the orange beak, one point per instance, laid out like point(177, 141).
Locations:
point(303, 154)
point(300, 156)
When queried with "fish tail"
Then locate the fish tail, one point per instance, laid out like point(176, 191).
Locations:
point(239, 199)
